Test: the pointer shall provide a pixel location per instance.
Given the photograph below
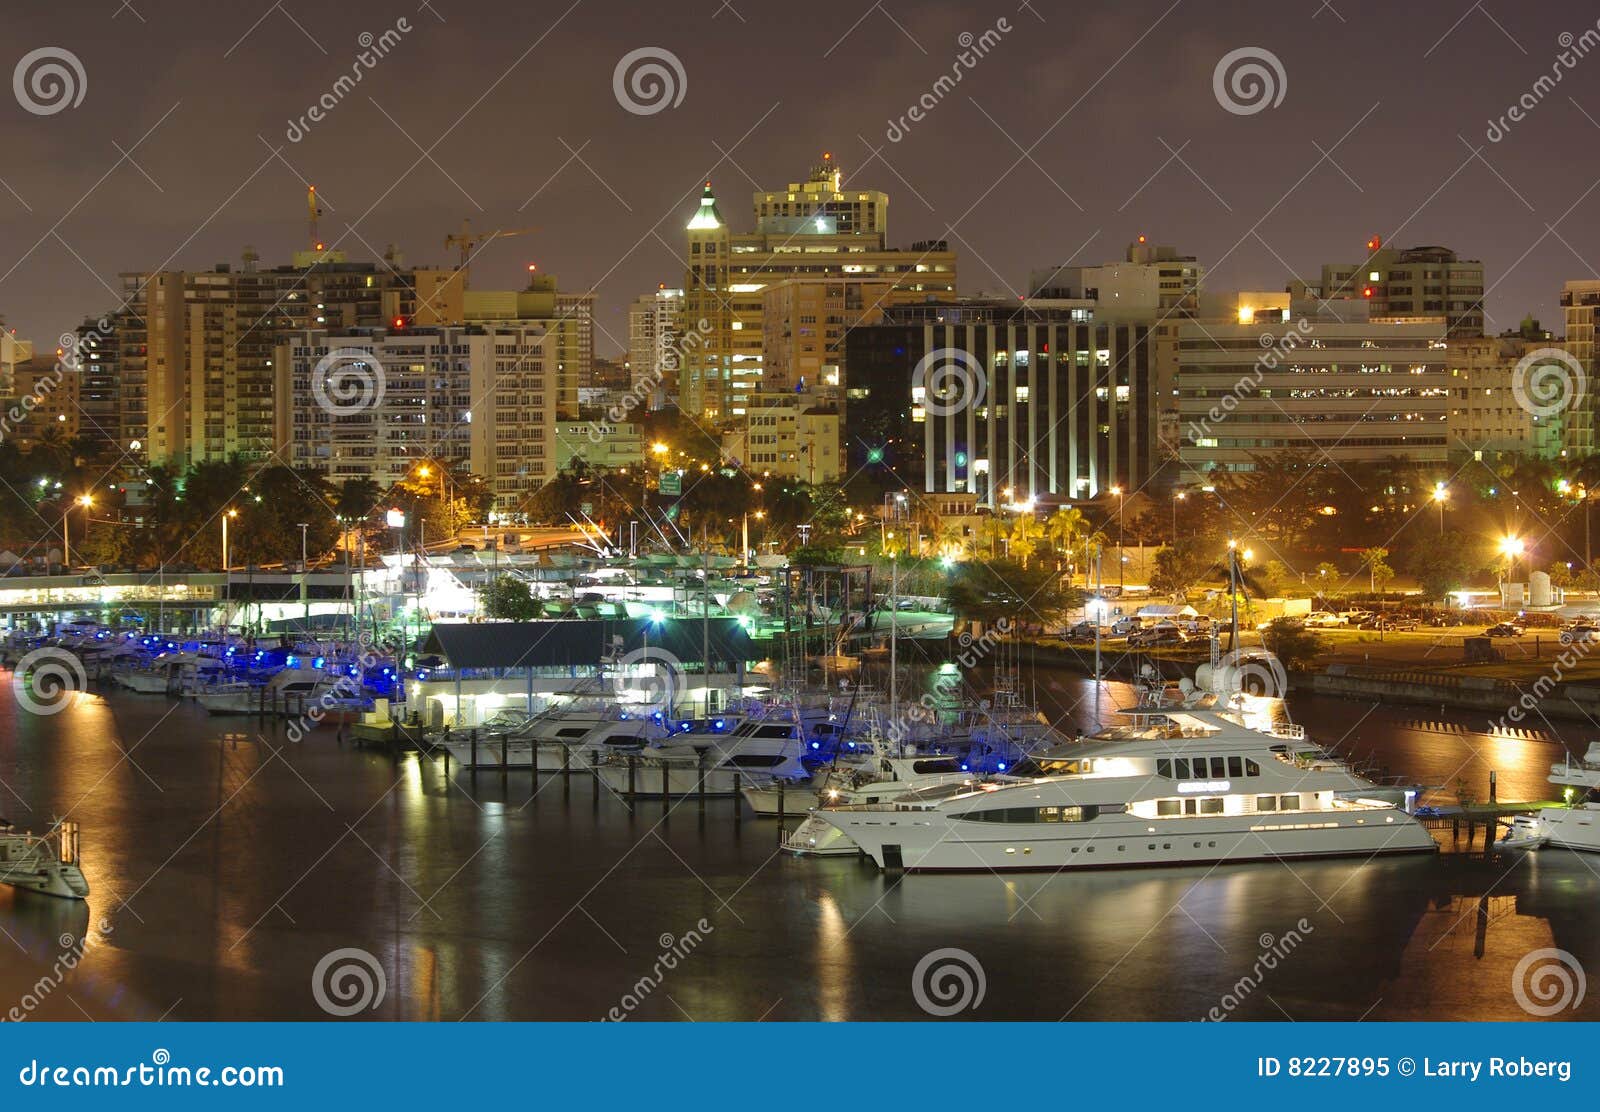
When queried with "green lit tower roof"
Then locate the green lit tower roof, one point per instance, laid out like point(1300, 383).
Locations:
point(707, 218)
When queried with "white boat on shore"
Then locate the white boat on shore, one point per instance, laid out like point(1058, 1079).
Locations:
point(1190, 780)
point(1574, 826)
point(46, 863)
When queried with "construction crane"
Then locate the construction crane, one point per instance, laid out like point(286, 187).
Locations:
point(311, 220)
point(467, 240)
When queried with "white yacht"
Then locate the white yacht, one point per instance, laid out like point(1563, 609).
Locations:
point(757, 751)
point(570, 743)
point(890, 780)
point(46, 863)
point(1189, 780)
point(291, 691)
point(1574, 826)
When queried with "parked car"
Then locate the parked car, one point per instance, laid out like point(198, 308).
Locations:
point(1122, 627)
point(1081, 631)
point(1356, 616)
point(1445, 618)
point(1377, 622)
point(1504, 629)
point(1325, 619)
point(1157, 636)
point(1288, 623)
point(1580, 633)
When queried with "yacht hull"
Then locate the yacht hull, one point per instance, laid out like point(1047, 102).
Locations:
point(1571, 828)
point(920, 842)
point(50, 878)
point(816, 837)
point(647, 780)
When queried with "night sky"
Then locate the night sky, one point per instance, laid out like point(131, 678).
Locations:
point(515, 102)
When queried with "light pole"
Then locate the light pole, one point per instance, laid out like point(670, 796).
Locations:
point(85, 501)
point(1441, 494)
point(1122, 558)
point(1177, 496)
point(225, 519)
point(305, 573)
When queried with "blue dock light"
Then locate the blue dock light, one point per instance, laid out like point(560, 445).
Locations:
point(964, 768)
point(718, 724)
point(318, 662)
point(1002, 766)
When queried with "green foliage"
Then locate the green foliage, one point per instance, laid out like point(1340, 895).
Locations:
point(1294, 645)
point(1181, 566)
point(988, 590)
point(1445, 563)
point(510, 599)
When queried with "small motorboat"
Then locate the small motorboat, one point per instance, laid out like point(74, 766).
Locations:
point(46, 863)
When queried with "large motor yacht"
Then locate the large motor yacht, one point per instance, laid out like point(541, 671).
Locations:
point(1192, 778)
point(1575, 826)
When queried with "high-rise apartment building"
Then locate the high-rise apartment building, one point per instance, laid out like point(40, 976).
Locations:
point(1415, 282)
point(804, 322)
point(814, 229)
point(1485, 416)
point(1580, 301)
point(654, 323)
point(96, 359)
point(376, 403)
point(195, 348)
point(788, 434)
point(50, 412)
point(12, 352)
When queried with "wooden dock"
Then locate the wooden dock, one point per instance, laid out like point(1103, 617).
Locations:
point(1473, 815)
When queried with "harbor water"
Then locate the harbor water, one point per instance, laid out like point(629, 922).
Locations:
point(227, 863)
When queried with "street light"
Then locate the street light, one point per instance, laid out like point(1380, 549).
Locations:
point(1511, 548)
point(1441, 494)
point(1178, 496)
point(66, 542)
point(225, 519)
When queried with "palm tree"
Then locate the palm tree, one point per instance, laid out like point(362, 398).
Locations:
point(1064, 527)
point(1026, 532)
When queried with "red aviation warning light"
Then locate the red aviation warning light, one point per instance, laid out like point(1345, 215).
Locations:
point(1374, 243)
point(1366, 291)
point(399, 322)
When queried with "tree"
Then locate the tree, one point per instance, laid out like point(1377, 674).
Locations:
point(1181, 566)
point(1379, 573)
point(991, 590)
point(1444, 564)
point(1295, 646)
point(510, 599)
point(1064, 527)
point(1025, 535)
point(1560, 575)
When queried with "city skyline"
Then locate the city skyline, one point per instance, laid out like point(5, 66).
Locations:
point(1259, 198)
